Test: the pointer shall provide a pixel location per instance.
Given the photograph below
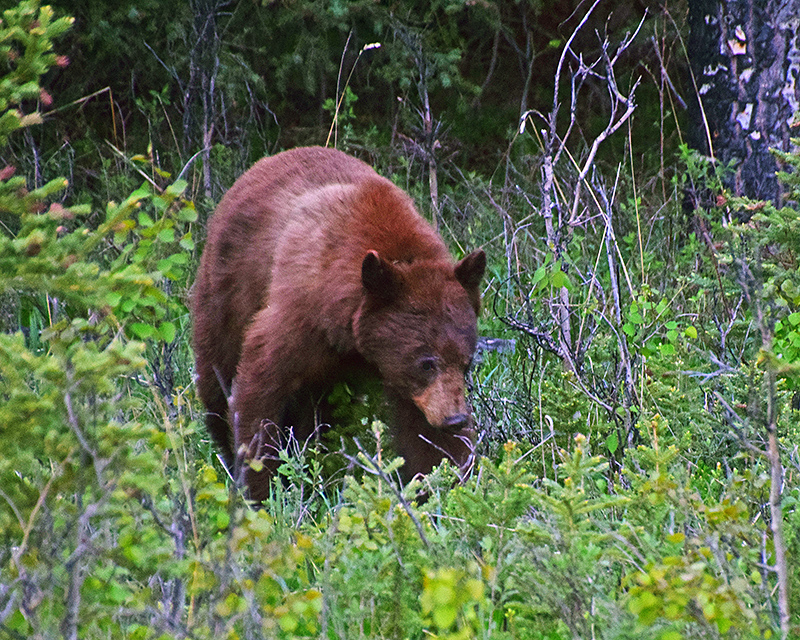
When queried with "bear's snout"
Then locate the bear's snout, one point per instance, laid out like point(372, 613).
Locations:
point(443, 401)
point(457, 422)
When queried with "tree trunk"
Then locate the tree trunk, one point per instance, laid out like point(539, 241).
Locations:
point(745, 58)
point(199, 100)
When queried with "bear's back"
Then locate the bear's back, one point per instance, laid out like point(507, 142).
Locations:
point(247, 224)
point(284, 178)
point(294, 200)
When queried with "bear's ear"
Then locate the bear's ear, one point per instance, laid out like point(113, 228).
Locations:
point(379, 278)
point(469, 270)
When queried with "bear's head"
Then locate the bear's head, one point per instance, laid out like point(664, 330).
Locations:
point(418, 325)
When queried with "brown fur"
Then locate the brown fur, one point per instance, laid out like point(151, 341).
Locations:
point(313, 265)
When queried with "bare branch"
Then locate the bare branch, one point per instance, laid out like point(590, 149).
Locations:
point(375, 469)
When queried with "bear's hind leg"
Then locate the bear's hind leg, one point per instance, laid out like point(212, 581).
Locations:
point(209, 388)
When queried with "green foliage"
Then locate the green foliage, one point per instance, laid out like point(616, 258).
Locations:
point(499, 557)
point(451, 602)
point(773, 233)
point(47, 256)
point(705, 570)
point(103, 515)
point(26, 53)
point(652, 333)
point(702, 175)
point(551, 275)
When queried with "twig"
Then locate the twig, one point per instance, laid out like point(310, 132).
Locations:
point(190, 161)
point(375, 469)
point(334, 130)
point(470, 461)
point(137, 169)
point(78, 101)
point(665, 75)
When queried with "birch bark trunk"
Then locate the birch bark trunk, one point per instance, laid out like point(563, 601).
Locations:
point(745, 59)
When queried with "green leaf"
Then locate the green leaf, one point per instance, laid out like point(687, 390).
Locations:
point(116, 593)
point(444, 615)
point(612, 442)
point(165, 264)
point(167, 331)
point(145, 220)
point(142, 330)
point(288, 622)
point(113, 298)
point(177, 188)
point(17, 622)
point(160, 203)
point(691, 332)
point(629, 329)
point(187, 213)
point(560, 279)
point(222, 520)
point(643, 602)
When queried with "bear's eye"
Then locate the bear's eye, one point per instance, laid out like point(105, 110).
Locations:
point(427, 364)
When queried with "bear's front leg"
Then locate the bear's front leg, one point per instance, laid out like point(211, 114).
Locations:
point(280, 359)
point(424, 447)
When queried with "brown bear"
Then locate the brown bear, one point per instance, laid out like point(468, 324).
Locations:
point(315, 266)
